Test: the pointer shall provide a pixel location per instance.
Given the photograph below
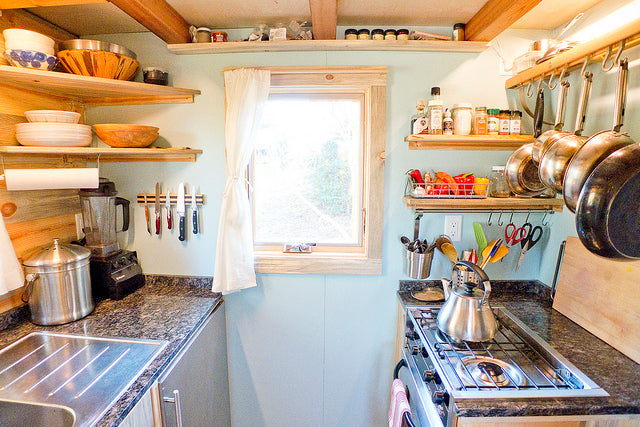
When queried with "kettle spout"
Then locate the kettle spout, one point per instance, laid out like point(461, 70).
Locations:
point(446, 287)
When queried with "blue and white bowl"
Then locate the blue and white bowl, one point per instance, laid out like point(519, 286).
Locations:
point(31, 59)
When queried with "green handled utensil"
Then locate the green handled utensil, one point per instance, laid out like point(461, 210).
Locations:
point(481, 239)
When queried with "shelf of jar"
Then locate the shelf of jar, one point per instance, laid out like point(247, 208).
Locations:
point(467, 142)
point(483, 205)
point(93, 90)
point(106, 154)
point(329, 45)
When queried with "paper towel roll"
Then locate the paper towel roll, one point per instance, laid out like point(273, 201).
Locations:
point(50, 179)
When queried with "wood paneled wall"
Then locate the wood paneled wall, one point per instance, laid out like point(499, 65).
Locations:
point(33, 218)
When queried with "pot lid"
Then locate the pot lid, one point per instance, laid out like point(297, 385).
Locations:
point(468, 290)
point(57, 255)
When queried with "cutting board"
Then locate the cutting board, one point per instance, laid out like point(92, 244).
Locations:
point(602, 296)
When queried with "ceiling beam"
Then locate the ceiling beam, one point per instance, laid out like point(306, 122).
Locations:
point(158, 17)
point(23, 4)
point(19, 18)
point(495, 17)
point(324, 18)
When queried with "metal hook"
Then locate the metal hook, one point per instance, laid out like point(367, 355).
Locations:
point(543, 218)
point(500, 223)
point(562, 74)
point(489, 220)
point(527, 218)
point(529, 88)
point(584, 66)
point(616, 60)
point(539, 84)
point(553, 72)
point(511, 218)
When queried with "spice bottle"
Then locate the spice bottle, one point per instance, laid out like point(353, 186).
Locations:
point(447, 123)
point(363, 34)
point(514, 122)
point(419, 120)
point(351, 34)
point(377, 34)
point(403, 34)
point(458, 32)
point(493, 121)
point(480, 121)
point(435, 112)
point(498, 186)
point(390, 34)
point(504, 122)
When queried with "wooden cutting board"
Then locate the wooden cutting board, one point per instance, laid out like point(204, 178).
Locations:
point(602, 296)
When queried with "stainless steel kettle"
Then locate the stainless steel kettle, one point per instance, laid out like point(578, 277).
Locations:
point(466, 314)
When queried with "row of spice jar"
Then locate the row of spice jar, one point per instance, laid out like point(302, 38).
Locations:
point(494, 121)
point(377, 34)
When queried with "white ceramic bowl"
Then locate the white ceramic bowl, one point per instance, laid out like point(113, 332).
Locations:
point(29, 45)
point(54, 134)
point(52, 116)
point(31, 59)
point(19, 35)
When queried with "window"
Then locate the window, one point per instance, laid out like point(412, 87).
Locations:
point(317, 171)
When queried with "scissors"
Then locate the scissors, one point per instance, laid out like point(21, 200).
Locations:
point(534, 234)
point(516, 235)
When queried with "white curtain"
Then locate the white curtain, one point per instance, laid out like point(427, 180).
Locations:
point(246, 92)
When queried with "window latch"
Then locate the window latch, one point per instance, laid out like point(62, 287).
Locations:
point(298, 248)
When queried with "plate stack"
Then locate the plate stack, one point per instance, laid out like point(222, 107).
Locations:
point(53, 128)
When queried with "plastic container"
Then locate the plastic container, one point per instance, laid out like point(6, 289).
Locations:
point(417, 265)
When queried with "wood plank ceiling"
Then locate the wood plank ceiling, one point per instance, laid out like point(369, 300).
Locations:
point(489, 18)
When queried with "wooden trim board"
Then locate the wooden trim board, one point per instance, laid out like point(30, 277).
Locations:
point(601, 295)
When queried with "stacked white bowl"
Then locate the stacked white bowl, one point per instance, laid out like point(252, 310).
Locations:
point(54, 128)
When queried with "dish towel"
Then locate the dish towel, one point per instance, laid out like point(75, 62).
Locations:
point(11, 274)
point(399, 404)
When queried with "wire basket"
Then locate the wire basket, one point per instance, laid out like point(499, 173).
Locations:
point(446, 191)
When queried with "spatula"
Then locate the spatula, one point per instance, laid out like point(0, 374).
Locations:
point(490, 251)
point(500, 253)
point(481, 239)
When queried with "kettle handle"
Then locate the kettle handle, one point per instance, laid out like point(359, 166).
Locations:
point(28, 289)
point(483, 278)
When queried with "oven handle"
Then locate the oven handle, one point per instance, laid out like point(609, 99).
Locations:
point(407, 415)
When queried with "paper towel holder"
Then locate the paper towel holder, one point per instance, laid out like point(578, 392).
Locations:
point(66, 165)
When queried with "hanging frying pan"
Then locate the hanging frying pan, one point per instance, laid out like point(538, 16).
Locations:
point(542, 142)
point(608, 218)
point(556, 157)
point(521, 172)
point(598, 147)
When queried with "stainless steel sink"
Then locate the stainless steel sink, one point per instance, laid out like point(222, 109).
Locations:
point(68, 379)
point(17, 414)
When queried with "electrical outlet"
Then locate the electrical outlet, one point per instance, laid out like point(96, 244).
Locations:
point(79, 232)
point(453, 227)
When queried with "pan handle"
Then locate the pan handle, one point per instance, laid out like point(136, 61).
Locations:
point(538, 113)
point(621, 94)
point(582, 104)
point(562, 96)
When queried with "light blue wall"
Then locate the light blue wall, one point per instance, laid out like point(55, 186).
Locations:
point(319, 349)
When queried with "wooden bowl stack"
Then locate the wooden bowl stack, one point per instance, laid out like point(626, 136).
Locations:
point(125, 135)
point(97, 63)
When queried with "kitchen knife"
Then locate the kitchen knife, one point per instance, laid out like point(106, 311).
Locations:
point(146, 213)
point(157, 207)
point(180, 210)
point(167, 203)
point(194, 206)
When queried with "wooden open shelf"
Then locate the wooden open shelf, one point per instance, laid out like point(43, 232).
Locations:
point(573, 58)
point(92, 91)
point(106, 154)
point(329, 45)
point(467, 142)
point(488, 204)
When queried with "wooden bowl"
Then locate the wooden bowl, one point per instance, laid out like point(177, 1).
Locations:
point(98, 63)
point(126, 136)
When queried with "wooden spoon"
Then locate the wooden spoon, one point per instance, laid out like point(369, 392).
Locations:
point(450, 252)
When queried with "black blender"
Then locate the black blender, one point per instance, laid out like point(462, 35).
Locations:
point(115, 272)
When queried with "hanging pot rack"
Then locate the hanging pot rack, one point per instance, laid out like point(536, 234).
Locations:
point(604, 47)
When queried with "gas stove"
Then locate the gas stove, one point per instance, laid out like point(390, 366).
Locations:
point(517, 363)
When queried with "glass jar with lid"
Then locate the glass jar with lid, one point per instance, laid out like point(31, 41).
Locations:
point(363, 34)
point(351, 34)
point(498, 186)
point(462, 118)
point(504, 122)
point(377, 34)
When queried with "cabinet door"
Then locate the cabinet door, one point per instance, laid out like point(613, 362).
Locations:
point(198, 378)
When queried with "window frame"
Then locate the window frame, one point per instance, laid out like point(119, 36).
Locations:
point(370, 83)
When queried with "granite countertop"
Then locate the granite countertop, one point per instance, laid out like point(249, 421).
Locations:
point(166, 308)
point(531, 303)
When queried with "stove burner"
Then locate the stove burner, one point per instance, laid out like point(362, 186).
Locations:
point(487, 371)
point(457, 344)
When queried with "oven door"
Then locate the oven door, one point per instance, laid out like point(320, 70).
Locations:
point(423, 410)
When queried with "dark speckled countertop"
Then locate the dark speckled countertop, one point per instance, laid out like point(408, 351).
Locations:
point(607, 367)
point(166, 308)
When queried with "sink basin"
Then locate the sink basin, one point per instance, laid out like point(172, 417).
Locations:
point(15, 413)
point(74, 379)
